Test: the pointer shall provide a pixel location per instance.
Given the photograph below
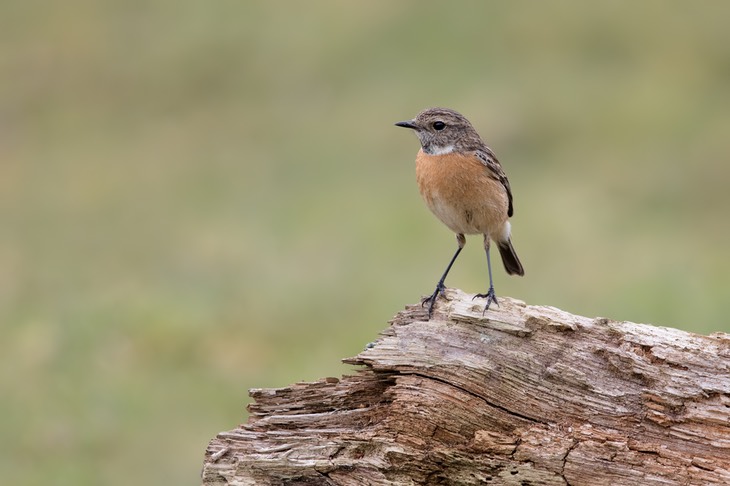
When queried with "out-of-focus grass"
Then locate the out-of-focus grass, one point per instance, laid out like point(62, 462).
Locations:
point(204, 197)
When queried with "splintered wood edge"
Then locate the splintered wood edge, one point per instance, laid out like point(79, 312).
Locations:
point(680, 379)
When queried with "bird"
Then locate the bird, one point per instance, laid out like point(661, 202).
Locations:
point(465, 187)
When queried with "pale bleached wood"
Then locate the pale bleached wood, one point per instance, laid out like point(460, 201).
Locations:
point(523, 395)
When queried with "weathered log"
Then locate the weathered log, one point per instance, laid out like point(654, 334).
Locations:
point(523, 395)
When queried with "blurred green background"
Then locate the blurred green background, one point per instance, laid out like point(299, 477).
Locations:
point(202, 197)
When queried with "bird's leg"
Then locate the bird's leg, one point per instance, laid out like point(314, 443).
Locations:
point(440, 287)
point(490, 295)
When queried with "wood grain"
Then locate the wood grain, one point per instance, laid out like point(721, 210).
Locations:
point(524, 395)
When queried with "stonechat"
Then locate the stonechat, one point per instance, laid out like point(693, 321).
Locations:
point(464, 185)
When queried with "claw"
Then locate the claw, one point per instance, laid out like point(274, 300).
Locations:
point(440, 288)
point(490, 296)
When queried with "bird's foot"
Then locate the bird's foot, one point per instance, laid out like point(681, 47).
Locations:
point(490, 296)
point(431, 300)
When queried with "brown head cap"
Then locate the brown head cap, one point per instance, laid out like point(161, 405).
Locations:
point(442, 131)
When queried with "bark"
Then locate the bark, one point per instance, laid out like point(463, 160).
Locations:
point(523, 395)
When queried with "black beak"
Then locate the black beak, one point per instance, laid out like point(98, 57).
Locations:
point(407, 124)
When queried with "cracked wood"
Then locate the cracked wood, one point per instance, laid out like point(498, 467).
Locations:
point(523, 395)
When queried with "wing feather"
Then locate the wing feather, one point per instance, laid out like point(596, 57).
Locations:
point(496, 172)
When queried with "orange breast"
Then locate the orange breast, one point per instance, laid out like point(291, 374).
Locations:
point(458, 189)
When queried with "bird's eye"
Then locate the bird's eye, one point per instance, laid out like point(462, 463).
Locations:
point(439, 125)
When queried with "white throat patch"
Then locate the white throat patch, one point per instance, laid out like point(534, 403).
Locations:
point(441, 150)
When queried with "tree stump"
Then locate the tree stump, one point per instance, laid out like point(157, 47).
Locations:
point(522, 395)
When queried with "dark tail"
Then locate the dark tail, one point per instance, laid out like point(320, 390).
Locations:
point(511, 263)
